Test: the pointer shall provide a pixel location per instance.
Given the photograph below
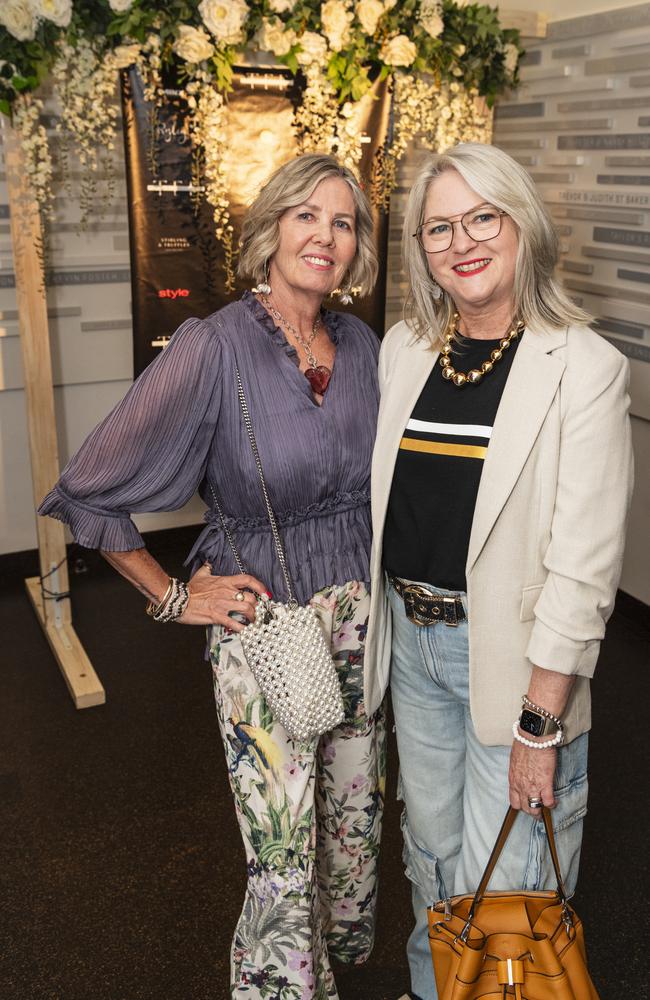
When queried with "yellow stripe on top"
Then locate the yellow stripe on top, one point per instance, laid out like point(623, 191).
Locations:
point(443, 448)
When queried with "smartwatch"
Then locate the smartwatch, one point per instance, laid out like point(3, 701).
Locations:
point(535, 724)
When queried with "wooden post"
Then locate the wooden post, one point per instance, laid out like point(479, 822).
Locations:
point(54, 615)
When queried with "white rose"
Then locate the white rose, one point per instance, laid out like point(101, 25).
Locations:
point(193, 44)
point(18, 18)
point(225, 19)
point(119, 6)
point(430, 17)
point(314, 49)
point(510, 58)
point(274, 37)
point(282, 6)
point(368, 14)
point(389, 4)
point(57, 11)
point(433, 25)
point(336, 23)
point(399, 51)
point(126, 55)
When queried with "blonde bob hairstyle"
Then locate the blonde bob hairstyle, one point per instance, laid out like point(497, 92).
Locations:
point(291, 185)
point(539, 299)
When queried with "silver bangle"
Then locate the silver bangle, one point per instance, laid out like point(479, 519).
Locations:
point(173, 603)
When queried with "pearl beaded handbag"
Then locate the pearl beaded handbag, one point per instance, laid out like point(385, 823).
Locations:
point(284, 646)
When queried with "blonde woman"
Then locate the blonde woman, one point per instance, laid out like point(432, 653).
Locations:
point(310, 816)
point(500, 485)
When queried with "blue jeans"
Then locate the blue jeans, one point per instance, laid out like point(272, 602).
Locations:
point(455, 790)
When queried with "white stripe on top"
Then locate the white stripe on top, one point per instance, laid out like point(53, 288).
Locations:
point(462, 430)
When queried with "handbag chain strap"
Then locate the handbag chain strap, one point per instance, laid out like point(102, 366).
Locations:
point(504, 832)
point(279, 548)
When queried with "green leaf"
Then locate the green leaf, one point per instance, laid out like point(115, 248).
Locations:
point(5, 107)
point(291, 61)
point(23, 83)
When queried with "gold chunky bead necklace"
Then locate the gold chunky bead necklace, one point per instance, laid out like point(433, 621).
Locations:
point(474, 376)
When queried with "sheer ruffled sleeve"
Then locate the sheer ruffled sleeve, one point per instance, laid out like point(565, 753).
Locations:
point(150, 452)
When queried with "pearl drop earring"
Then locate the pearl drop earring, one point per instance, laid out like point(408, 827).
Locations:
point(263, 285)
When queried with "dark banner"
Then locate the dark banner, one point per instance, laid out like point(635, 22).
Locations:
point(177, 264)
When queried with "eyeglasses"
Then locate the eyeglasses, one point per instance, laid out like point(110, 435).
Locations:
point(482, 223)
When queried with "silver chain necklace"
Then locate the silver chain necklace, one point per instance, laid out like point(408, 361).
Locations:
point(305, 344)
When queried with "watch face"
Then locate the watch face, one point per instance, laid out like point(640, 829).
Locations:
point(532, 723)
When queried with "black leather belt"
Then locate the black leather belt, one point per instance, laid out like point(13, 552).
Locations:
point(424, 608)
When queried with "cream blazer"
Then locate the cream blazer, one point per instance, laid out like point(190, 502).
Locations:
point(547, 536)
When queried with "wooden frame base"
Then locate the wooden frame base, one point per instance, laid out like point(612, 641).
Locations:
point(83, 683)
point(55, 616)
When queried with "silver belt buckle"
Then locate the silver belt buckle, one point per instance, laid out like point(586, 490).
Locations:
point(449, 604)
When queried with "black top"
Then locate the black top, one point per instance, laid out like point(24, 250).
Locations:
point(438, 470)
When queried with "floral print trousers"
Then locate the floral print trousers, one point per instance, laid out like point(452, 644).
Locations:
point(310, 818)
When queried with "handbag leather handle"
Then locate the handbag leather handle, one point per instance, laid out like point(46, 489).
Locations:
point(502, 837)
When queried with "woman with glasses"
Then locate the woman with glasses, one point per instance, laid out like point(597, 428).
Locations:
point(500, 484)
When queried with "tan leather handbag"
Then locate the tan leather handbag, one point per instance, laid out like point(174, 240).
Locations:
point(495, 945)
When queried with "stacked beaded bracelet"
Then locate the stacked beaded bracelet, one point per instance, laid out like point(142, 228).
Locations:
point(557, 739)
point(173, 602)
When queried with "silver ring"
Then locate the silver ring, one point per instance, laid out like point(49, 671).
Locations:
point(534, 802)
point(239, 596)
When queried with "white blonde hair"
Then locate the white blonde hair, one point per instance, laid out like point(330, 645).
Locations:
point(539, 298)
point(291, 185)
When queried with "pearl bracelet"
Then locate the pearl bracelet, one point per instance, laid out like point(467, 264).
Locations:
point(557, 739)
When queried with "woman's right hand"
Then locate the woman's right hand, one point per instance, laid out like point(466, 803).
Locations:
point(212, 598)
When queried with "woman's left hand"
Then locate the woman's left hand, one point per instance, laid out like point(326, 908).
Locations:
point(531, 776)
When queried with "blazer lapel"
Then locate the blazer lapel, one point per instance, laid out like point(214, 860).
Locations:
point(411, 370)
point(528, 394)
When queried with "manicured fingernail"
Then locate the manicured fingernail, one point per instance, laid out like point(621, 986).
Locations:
point(268, 594)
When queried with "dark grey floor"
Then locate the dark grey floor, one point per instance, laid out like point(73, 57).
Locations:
point(120, 864)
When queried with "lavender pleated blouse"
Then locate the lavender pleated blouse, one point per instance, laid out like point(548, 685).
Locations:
point(179, 428)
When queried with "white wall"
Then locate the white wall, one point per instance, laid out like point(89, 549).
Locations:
point(588, 85)
point(561, 10)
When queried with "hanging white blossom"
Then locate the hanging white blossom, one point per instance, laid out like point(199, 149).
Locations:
point(126, 55)
point(313, 49)
point(511, 59)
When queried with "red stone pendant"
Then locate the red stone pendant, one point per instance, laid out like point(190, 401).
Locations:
point(318, 378)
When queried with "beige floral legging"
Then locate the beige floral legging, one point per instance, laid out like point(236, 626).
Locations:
point(310, 818)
